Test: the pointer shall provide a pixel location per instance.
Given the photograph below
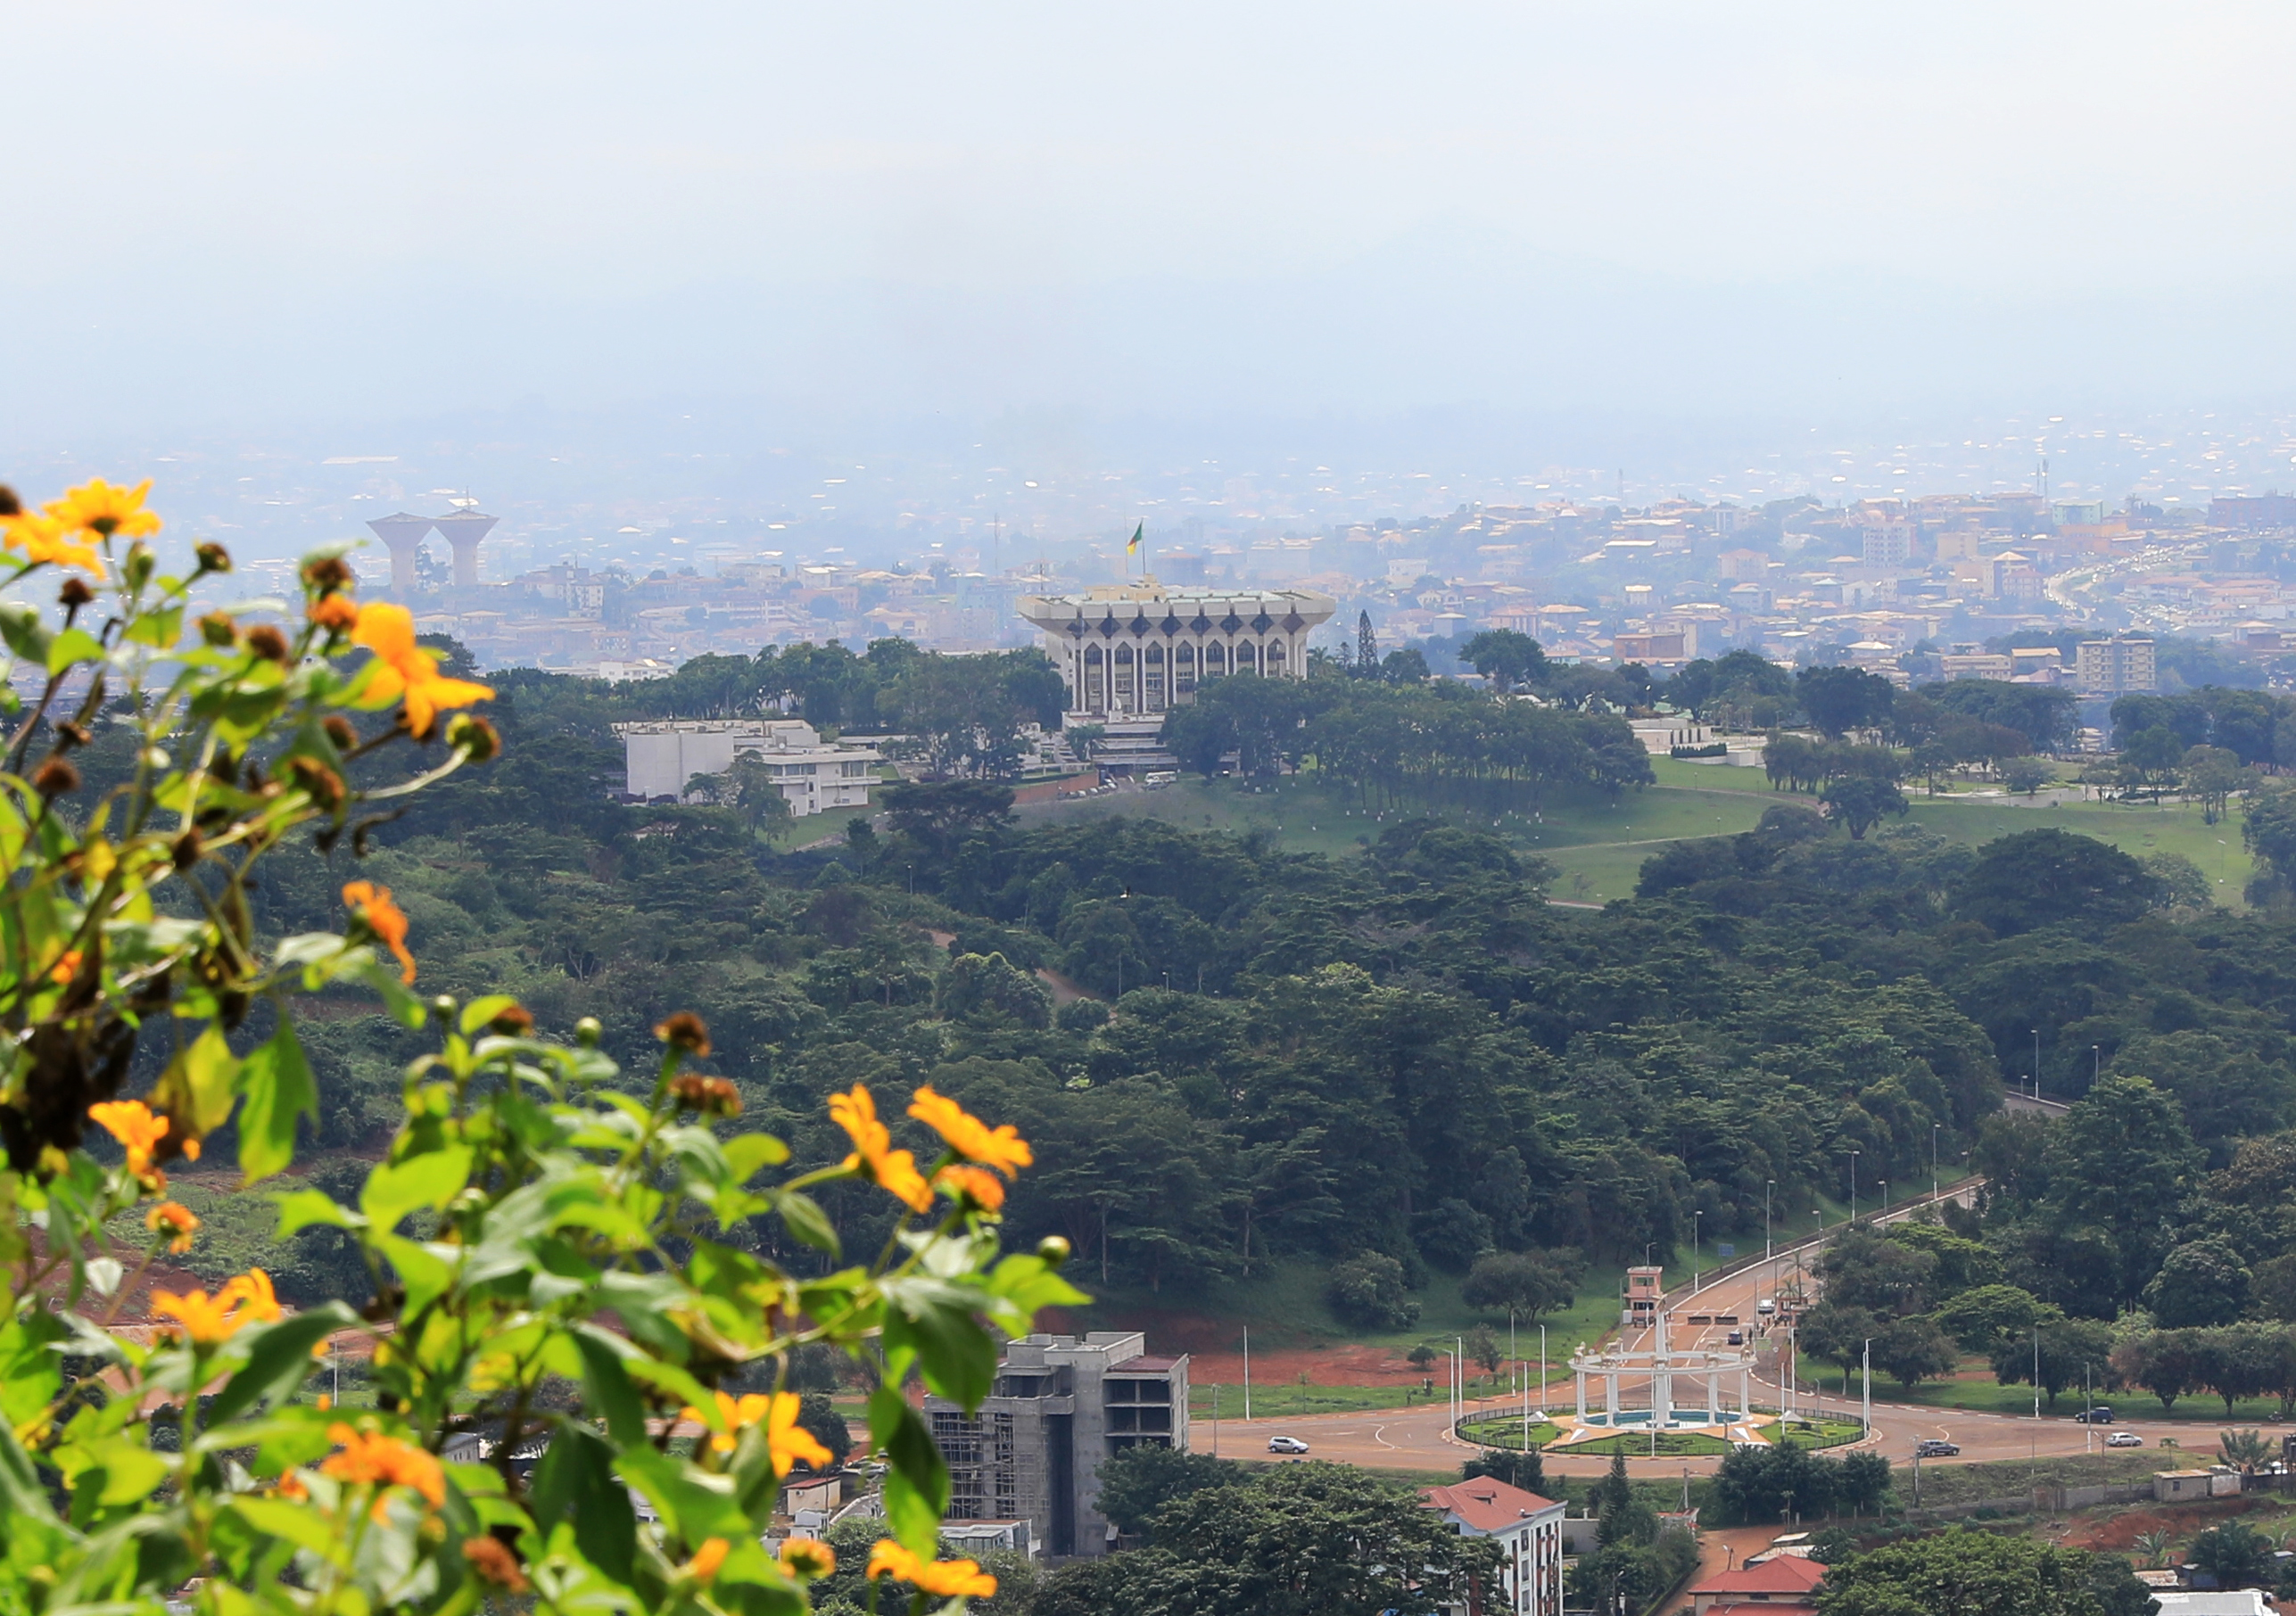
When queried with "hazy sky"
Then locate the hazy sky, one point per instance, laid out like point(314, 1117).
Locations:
point(253, 215)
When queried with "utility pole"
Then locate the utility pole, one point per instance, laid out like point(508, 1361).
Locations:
point(2037, 1063)
point(1543, 1371)
point(1935, 1128)
point(1868, 1415)
point(1247, 1374)
point(2036, 1372)
point(1852, 1156)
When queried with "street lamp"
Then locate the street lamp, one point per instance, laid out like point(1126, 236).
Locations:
point(1693, 1251)
point(2037, 1063)
point(1884, 1199)
point(2096, 1064)
point(1853, 1215)
point(1935, 1128)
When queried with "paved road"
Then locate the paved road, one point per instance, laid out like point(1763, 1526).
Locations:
point(1420, 1439)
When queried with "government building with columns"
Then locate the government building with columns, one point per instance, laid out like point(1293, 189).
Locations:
point(1134, 650)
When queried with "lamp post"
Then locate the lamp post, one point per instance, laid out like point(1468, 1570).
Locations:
point(2096, 1064)
point(2037, 1063)
point(1853, 1213)
point(1935, 1128)
point(1769, 1242)
point(1694, 1216)
point(1884, 1206)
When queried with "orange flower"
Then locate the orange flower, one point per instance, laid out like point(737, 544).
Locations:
point(708, 1558)
point(173, 1220)
point(977, 1185)
point(808, 1559)
point(408, 670)
point(336, 614)
point(66, 967)
point(371, 905)
point(132, 1123)
point(891, 1170)
point(492, 1559)
point(212, 1320)
point(943, 1579)
point(371, 1459)
point(97, 507)
point(44, 539)
point(291, 1486)
point(1001, 1148)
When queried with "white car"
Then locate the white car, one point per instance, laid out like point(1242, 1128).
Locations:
point(1286, 1445)
point(2124, 1438)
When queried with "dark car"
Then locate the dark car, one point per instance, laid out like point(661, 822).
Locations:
point(2099, 1415)
point(1936, 1447)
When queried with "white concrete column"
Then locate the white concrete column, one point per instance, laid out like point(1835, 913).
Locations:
point(1661, 1397)
point(1579, 1382)
point(1714, 1398)
point(1610, 1398)
point(1745, 1394)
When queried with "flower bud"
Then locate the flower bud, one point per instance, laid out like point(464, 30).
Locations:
point(141, 562)
point(514, 1022)
point(213, 557)
point(342, 732)
point(588, 1031)
point(265, 641)
point(55, 778)
point(475, 736)
point(218, 630)
point(75, 594)
point(684, 1030)
point(1052, 1250)
point(327, 573)
point(10, 506)
point(324, 784)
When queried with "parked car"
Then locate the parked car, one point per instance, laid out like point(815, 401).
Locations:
point(1936, 1447)
point(1737, 1338)
point(2124, 1438)
point(1286, 1445)
point(2099, 1415)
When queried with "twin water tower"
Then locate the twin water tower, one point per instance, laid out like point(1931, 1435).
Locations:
point(462, 528)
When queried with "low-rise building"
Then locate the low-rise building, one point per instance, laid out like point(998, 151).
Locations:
point(1528, 1531)
point(1783, 1586)
point(661, 757)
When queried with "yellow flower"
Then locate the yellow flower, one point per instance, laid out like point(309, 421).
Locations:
point(44, 539)
point(808, 1559)
point(788, 1441)
point(977, 1185)
point(708, 1558)
point(173, 1220)
point(1001, 1148)
point(408, 670)
point(253, 1289)
point(132, 1123)
point(943, 1579)
point(373, 906)
point(891, 1170)
point(733, 1415)
point(371, 1459)
point(97, 507)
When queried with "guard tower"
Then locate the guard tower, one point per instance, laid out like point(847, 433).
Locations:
point(464, 529)
point(1638, 1297)
point(403, 535)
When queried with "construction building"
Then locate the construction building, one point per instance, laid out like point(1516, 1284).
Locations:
point(1060, 1406)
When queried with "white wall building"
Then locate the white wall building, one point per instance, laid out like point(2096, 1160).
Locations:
point(814, 776)
point(1527, 1529)
point(1140, 648)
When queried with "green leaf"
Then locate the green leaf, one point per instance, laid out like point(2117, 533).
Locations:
point(432, 1180)
point(478, 1012)
point(30, 1375)
point(934, 1319)
point(694, 1504)
point(298, 1523)
point(25, 634)
point(72, 646)
point(404, 1008)
point(197, 1090)
point(917, 1481)
point(609, 1386)
point(280, 1089)
point(300, 1209)
point(161, 629)
point(806, 1220)
point(575, 1484)
point(747, 1153)
point(278, 1360)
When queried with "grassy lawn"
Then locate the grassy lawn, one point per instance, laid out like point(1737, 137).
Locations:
point(1958, 1483)
point(1504, 1430)
point(1271, 1400)
point(2205, 1413)
point(1667, 1445)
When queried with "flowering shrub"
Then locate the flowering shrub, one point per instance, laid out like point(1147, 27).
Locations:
point(536, 1220)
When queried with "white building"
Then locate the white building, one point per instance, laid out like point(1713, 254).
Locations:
point(814, 777)
point(1527, 1529)
point(1134, 649)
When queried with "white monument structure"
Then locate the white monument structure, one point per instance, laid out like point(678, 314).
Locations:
point(1134, 650)
point(1664, 1369)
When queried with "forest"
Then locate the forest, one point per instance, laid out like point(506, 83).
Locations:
point(1258, 1057)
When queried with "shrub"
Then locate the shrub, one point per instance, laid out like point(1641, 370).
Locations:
point(1368, 1291)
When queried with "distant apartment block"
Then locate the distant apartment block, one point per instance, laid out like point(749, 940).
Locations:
point(662, 758)
point(2254, 511)
point(1648, 649)
point(1528, 1531)
point(1060, 1406)
point(2115, 667)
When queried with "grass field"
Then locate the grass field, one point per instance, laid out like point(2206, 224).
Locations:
point(2204, 1412)
point(1597, 846)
